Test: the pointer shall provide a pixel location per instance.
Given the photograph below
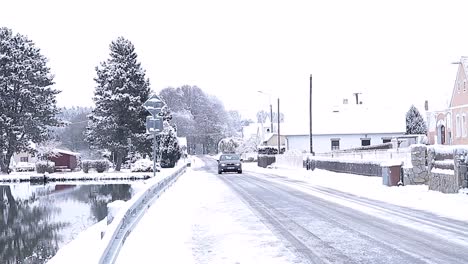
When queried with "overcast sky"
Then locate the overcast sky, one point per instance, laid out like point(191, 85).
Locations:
point(394, 52)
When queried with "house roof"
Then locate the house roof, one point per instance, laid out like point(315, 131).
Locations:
point(350, 119)
point(67, 152)
point(464, 67)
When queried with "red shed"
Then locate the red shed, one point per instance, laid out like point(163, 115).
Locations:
point(65, 160)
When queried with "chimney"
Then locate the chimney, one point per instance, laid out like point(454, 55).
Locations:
point(357, 98)
point(426, 105)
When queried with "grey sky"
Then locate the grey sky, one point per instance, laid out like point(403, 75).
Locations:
point(392, 51)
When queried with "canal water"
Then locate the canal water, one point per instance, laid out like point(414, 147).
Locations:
point(36, 220)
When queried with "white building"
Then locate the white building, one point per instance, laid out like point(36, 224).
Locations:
point(344, 127)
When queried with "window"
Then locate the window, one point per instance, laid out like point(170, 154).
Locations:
point(335, 144)
point(463, 126)
point(464, 86)
point(24, 159)
point(365, 142)
point(458, 126)
point(386, 140)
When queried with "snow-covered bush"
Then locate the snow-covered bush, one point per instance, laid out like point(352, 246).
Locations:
point(99, 165)
point(86, 165)
point(268, 150)
point(143, 165)
point(25, 166)
point(45, 166)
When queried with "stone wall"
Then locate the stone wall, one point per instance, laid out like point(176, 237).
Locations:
point(416, 172)
point(443, 182)
point(461, 164)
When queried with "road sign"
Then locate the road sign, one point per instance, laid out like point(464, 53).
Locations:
point(154, 125)
point(154, 105)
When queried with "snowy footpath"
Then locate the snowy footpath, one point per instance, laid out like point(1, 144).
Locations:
point(201, 220)
point(412, 196)
point(88, 246)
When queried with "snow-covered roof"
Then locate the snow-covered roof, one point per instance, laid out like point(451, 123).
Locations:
point(67, 152)
point(350, 119)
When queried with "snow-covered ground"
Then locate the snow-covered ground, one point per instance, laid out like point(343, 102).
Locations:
point(200, 220)
point(87, 246)
point(413, 196)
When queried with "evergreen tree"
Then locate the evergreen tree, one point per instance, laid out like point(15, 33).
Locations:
point(168, 145)
point(119, 117)
point(28, 106)
point(415, 123)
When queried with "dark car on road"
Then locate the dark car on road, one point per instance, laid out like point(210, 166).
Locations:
point(229, 163)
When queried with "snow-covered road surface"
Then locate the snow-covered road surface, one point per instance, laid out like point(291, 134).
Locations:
point(200, 220)
point(261, 218)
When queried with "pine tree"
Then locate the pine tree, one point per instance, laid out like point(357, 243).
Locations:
point(168, 145)
point(415, 123)
point(28, 106)
point(119, 117)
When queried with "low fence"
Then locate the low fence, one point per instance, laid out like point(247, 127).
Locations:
point(348, 166)
point(129, 217)
point(401, 154)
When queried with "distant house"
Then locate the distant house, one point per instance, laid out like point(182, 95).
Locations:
point(65, 160)
point(23, 157)
point(271, 139)
point(450, 126)
point(344, 127)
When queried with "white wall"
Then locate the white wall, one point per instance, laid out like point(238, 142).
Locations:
point(322, 143)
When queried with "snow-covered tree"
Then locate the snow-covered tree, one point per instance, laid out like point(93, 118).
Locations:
point(229, 145)
point(47, 149)
point(415, 123)
point(28, 106)
point(249, 145)
point(119, 114)
point(168, 145)
point(200, 117)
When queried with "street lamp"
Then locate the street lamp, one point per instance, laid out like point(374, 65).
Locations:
point(271, 110)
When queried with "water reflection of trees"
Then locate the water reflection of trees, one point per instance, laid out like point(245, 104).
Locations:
point(27, 233)
point(98, 196)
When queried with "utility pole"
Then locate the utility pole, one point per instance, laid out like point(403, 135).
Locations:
point(279, 138)
point(271, 116)
point(310, 118)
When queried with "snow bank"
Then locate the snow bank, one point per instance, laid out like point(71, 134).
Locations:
point(83, 248)
point(113, 208)
point(443, 171)
point(90, 240)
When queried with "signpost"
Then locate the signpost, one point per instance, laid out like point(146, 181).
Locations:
point(154, 123)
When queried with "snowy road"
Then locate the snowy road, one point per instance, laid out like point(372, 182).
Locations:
point(261, 218)
point(326, 232)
